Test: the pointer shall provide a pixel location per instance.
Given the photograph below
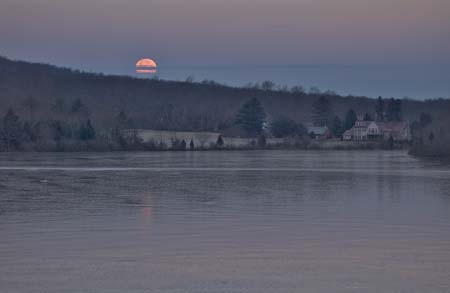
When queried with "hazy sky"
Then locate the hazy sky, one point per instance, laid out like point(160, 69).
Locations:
point(109, 35)
point(221, 32)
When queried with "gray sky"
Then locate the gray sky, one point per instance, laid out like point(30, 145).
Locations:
point(110, 35)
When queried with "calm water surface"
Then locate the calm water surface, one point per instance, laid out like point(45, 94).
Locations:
point(260, 221)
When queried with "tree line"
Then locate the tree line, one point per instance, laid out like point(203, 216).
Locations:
point(389, 110)
point(56, 107)
point(74, 130)
point(431, 137)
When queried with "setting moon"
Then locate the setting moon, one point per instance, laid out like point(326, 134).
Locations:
point(146, 65)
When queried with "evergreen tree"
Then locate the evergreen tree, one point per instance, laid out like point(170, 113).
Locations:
point(122, 120)
point(261, 141)
point(425, 119)
point(367, 117)
point(322, 111)
point(394, 110)
point(77, 106)
point(28, 134)
point(219, 142)
point(58, 131)
point(337, 127)
point(11, 131)
point(87, 131)
point(390, 142)
point(302, 131)
point(59, 105)
point(191, 145)
point(90, 130)
point(350, 119)
point(251, 117)
point(83, 132)
point(390, 110)
point(379, 109)
point(283, 127)
point(398, 110)
point(183, 145)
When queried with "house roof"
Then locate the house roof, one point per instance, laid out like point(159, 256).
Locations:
point(385, 126)
point(362, 124)
point(319, 130)
point(393, 126)
point(348, 132)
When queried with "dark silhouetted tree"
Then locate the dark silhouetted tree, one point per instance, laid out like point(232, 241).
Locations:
point(91, 130)
point(350, 119)
point(219, 142)
point(183, 145)
point(251, 117)
point(122, 120)
point(262, 141)
point(314, 90)
point(367, 117)
point(77, 106)
point(398, 110)
point(60, 130)
point(337, 127)
point(267, 85)
point(390, 141)
point(302, 131)
point(298, 89)
point(87, 131)
point(425, 119)
point(379, 109)
point(28, 133)
point(322, 111)
point(191, 145)
point(57, 129)
point(11, 131)
point(394, 110)
point(59, 105)
point(283, 127)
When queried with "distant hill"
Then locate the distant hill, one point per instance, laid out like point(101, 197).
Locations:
point(40, 91)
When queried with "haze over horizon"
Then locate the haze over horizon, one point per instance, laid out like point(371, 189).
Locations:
point(406, 42)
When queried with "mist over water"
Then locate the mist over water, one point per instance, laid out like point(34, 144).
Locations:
point(260, 221)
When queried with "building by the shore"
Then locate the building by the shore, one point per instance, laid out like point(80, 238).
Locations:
point(319, 132)
point(378, 130)
point(203, 140)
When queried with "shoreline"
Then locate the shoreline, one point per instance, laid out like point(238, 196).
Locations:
point(307, 147)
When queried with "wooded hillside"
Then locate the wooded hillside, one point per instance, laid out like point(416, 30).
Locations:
point(39, 91)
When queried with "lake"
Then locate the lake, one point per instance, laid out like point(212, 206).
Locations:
point(224, 221)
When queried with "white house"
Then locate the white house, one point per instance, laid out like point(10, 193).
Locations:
point(375, 130)
point(359, 130)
